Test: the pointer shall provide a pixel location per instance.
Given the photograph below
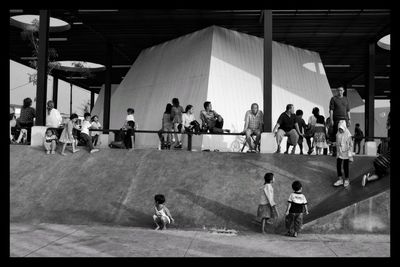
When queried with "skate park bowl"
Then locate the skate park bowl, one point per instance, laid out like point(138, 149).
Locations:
point(202, 189)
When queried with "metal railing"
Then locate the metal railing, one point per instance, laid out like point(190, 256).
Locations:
point(189, 134)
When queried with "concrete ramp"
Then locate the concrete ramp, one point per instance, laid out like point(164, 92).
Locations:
point(210, 189)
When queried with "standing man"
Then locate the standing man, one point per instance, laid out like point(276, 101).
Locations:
point(339, 109)
point(287, 126)
point(253, 124)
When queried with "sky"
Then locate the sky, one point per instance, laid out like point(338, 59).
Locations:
point(20, 88)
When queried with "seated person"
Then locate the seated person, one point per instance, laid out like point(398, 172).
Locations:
point(50, 142)
point(166, 125)
point(13, 123)
point(211, 120)
point(286, 126)
point(253, 124)
point(130, 127)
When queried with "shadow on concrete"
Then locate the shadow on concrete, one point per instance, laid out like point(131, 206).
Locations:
point(346, 197)
point(227, 213)
point(136, 218)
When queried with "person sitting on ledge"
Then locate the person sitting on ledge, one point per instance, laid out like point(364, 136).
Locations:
point(253, 124)
point(285, 126)
point(211, 120)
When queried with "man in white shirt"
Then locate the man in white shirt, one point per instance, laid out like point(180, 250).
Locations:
point(85, 133)
point(53, 116)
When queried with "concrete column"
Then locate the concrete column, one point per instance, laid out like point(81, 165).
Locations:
point(70, 99)
point(41, 87)
point(267, 109)
point(91, 100)
point(55, 91)
point(370, 93)
point(107, 88)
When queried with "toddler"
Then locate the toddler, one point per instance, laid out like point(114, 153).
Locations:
point(162, 216)
point(297, 205)
point(50, 142)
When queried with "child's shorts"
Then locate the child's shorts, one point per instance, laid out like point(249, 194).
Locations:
point(265, 211)
point(158, 219)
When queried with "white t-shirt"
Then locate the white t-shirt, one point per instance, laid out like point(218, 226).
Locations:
point(54, 119)
point(130, 117)
point(267, 195)
point(187, 119)
point(85, 127)
point(95, 125)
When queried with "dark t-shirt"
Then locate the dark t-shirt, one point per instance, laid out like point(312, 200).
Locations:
point(358, 134)
point(27, 115)
point(286, 123)
point(340, 107)
point(301, 123)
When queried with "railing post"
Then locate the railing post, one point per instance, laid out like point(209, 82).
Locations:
point(189, 146)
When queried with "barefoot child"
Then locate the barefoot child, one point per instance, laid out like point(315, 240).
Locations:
point(49, 142)
point(66, 135)
point(267, 209)
point(162, 216)
point(297, 205)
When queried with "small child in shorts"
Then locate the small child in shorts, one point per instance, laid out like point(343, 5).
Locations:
point(50, 142)
point(162, 216)
point(267, 208)
point(297, 205)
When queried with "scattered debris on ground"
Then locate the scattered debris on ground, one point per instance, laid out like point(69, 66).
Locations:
point(221, 231)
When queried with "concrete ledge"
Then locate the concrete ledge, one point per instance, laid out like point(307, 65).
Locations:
point(370, 148)
point(37, 135)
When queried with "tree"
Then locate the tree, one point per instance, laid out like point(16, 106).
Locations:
point(31, 34)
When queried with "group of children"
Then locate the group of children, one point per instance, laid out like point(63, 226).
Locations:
point(68, 135)
point(297, 205)
point(266, 212)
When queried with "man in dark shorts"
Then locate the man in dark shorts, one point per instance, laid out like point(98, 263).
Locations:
point(286, 126)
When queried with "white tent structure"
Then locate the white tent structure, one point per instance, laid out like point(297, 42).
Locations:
point(222, 66)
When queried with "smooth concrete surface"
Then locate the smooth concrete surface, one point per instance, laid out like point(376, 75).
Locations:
point(117, 186)
point(55, 240)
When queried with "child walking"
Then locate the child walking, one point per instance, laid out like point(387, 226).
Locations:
point(86, 125)
point(130, 126)
point(66, 135)
point(50, 142)
point(267, 208)
point(162, 216)
point(344, 148)
point(95, 125)
point(320, 135)
point(297, 205)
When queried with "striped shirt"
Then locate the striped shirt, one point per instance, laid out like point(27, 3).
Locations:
point(255, 122)
point(382, 162)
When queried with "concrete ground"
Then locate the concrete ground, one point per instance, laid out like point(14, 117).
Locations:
point(56, 240)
